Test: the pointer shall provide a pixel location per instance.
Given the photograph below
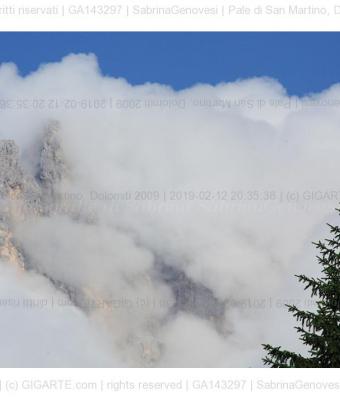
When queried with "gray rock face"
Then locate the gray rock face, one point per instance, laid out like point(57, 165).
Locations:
point(52, 168)
point(10, 172)
point(52, 161)
point(192, 297)
point(9, 153)
point(18, 190)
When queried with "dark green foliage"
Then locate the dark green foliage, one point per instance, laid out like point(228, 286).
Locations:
point(319, 330)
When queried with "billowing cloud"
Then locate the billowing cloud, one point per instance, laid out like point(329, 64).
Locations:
point(181, 220)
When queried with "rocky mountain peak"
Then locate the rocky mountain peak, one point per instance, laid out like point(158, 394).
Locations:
point(53, 166)
point(10, 171)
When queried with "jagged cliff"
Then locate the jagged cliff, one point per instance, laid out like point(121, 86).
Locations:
point(52, 167)
point(25, 196)
point(22, 195)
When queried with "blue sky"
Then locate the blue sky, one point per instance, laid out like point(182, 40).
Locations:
point(302, 62)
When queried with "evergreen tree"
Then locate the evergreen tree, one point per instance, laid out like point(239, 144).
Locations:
point(319, 330)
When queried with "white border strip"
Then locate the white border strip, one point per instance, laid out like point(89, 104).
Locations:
point(169, 15)
point(169, 383)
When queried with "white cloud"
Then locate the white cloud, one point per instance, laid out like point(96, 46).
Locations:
point(262, 153)
point(40, 328)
